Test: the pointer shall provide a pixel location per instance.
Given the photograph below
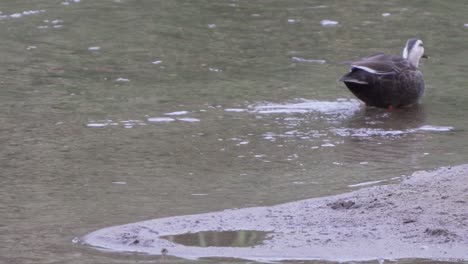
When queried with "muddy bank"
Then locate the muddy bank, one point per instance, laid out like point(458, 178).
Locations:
point(424, 216)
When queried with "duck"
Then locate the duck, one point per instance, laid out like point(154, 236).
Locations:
point(388, 81)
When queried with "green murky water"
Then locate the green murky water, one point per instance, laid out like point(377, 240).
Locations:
point(121, 111)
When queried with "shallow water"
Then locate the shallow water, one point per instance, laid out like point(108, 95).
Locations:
point(122, 111)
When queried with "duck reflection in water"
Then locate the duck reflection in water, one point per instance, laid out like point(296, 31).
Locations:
point(386, 138)
point(400, 119)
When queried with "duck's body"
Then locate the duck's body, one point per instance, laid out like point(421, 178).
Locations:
point(388, 81)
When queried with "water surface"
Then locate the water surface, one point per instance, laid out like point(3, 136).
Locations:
point(122, 111)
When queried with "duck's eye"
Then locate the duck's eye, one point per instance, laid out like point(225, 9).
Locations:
point(421, 45)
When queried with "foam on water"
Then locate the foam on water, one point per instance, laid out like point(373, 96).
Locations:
point(69, 2)
point(213, 69)
point(235, 110)
point(177, 113)
point(436, 128)
point(188, 119)
point(96, 124)
point(124, 123)
point(296, 134)
point(338, 108)
point(367, 132)
point(160, 119)
point(371, 132)
point(21, 14)
point(329, 23)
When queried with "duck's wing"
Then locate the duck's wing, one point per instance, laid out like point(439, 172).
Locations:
point(376, 56)
point(381, 64)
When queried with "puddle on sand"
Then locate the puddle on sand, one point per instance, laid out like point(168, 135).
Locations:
point(238, 238)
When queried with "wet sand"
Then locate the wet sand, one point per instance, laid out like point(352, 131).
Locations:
point(423, 216)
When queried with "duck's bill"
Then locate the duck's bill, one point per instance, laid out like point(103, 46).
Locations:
point(425, 56)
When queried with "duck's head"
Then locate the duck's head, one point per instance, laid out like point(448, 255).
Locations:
point(414, 51)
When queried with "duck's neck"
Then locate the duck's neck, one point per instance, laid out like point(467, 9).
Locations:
point(413, 56)
point(414, 59)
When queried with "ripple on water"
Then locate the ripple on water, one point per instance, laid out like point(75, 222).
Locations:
point(124, 123)
point(436, 128)
point(340, 108)
point(235, 110)
point(177, 113)
point(160, 119)
point(299, 59)
point(96, 124)
point(367, 132)
point(379, 132)
point(69, 2)
point(188, 119)
point(329, 23)
point(133, 123)
point(22, 14)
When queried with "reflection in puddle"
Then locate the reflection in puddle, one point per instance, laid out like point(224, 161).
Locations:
point(239, 238)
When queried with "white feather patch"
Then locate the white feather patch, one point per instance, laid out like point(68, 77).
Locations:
point(364, 68)
point(405, 52)
point(355, 81)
